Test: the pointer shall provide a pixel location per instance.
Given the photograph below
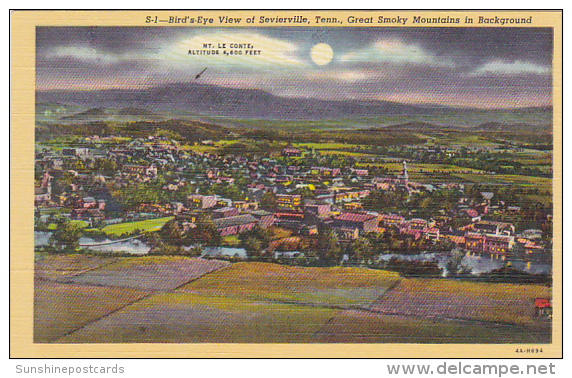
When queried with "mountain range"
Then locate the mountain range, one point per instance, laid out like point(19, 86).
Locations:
point(217, 101)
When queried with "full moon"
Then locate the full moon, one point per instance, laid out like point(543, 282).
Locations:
point(321, 54)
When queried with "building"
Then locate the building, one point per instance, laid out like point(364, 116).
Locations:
point(475, 243)
point(542, 307)
point(364, 222)
point(495, 228)
point(288, 201)
point(417, 224)
point(42, 195)
point(412, 234)
point(265, 218)
point(392, 219)
point(198, 201)
point(320, 210)
point(498, 246)
point(225, 212)
point(403, 177)
point(431, 233)
point(245, 205)
point(291, 151)
point(235, 225)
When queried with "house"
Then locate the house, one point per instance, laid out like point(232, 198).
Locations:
point(360, 172)
point(457, 240)
point(487, 196)
point(309, 230)
point(133, 169)
point(472, 214)
point(291, 151)
point(532, 250)
point(296, 216)
point(86, 214)
point(543, 307)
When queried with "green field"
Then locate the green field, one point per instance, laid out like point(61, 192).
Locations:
point(541, 183)
point(120, 229)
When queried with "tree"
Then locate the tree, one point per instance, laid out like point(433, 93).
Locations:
point(205, 232)
point(172, 232)
point(361, 249)
point(269, 201)
point(328, 248)
point(66, 236)
point(253, 247)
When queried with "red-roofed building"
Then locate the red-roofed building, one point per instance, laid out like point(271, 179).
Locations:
point(543, 307)
point(364, 222)
point(291, 151)
point(392, 219)
point(417, 224)
point(458, 240)
point(410, 233)
point(494, 245)
point(474, 242)
point(431, 233)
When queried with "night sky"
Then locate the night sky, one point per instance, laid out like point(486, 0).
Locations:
point(476, 67)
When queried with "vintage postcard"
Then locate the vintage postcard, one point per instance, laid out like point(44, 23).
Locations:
point(286, 184)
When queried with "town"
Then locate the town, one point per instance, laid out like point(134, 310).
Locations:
point(290, 205)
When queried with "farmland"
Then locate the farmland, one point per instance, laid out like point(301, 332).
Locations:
point(89, 299)
point(185, 317)
point(340, 287)
point(119, 229)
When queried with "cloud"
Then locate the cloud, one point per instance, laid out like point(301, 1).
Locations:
point(518, 67)
point(348, 76)
point(85, 54)
point(395, 52)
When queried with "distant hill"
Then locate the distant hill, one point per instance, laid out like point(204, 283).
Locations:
point(410, 126)
point(233, 106)
point(504, 127)
point(220, 101)
point(91, 114)
point(135, 112)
